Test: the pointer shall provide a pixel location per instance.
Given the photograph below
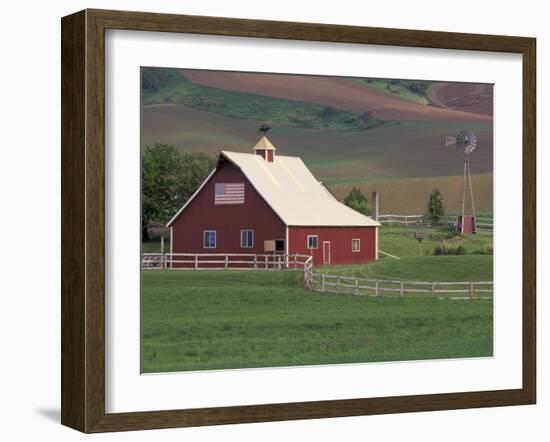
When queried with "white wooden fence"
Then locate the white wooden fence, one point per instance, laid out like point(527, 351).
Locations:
point(222, 261)
point(339, 284)
point(482, 223)
point(313, 281)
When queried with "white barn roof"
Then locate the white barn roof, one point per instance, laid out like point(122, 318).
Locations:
point(293, 193)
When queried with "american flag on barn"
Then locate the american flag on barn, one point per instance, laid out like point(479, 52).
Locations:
point(229, 193)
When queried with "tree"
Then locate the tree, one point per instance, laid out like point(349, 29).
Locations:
point(366, 116)
point(328, 112)
point(169, 178)
point(357, 201)
point(436, 207)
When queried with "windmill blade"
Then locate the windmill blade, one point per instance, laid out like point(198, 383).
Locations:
point(466, 141)
point(450, 141)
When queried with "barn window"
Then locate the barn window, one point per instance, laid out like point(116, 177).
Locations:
point(355, 245)
point(209, 239)
point(247, 238)
point(312, 241)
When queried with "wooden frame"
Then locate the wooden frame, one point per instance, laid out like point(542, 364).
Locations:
point(83, 218)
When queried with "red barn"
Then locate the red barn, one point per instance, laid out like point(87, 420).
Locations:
point(253, 202)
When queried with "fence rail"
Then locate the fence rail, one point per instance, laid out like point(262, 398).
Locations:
point(314, 281)
point(325, 283)
point(482, 223)
point(218, 261)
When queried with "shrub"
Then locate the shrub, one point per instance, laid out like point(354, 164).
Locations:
point(435, 207)
point(444, 250)
point(366, 116)
point(357, 201)
point(486, 250)
point(328, 112)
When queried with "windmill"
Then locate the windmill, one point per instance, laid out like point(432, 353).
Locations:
point(466, 142)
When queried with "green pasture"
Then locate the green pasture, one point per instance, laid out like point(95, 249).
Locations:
point(400, 241)
point(204, 320)
point(417, 262)
point(422, 268)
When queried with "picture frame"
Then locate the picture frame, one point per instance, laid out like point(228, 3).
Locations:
point(83, 177)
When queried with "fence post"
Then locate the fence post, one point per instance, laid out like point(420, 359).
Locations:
point(279, 260)
point(226, 261)
point(338, 285)
point(196, 262)
point(295, 262)
point(162, 252)
point(376, 287)
point(322, 283)
point(433, 288)
point(401, 289)
point(255, 261)
point(356, 286)
point(472, 290)
point(266, 262)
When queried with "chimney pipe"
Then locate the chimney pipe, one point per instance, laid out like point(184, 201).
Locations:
point(374, 206)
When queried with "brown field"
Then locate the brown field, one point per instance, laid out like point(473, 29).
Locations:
point(410, 195)
point(331, 91)
point(476, 98)
point(406, 149)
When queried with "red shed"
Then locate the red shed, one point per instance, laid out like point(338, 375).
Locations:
point(251, 202)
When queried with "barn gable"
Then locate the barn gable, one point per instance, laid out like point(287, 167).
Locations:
point(243, 212)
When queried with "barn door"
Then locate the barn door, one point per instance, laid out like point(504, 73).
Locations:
point(326, 252)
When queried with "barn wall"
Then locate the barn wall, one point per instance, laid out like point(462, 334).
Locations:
point(228, 220)
point(340, 243)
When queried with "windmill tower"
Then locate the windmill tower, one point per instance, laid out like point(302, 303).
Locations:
point(466, 142)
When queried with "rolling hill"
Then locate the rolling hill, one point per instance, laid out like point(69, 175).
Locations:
point(330, 91)
point(386, 135)
point(410, 195)
point(403, 149)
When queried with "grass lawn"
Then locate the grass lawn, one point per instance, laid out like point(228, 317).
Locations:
point(422, 268)
point(399, 241)
point(421, 265)
point(216, 320)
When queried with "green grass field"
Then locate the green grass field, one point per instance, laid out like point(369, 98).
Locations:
point(417, 264)
point(422, 268)
point(236, 319)
point(400, 242)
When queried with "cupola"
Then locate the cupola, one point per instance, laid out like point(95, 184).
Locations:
point(265, 149)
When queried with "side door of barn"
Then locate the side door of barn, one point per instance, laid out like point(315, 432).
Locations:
point(326, 252)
